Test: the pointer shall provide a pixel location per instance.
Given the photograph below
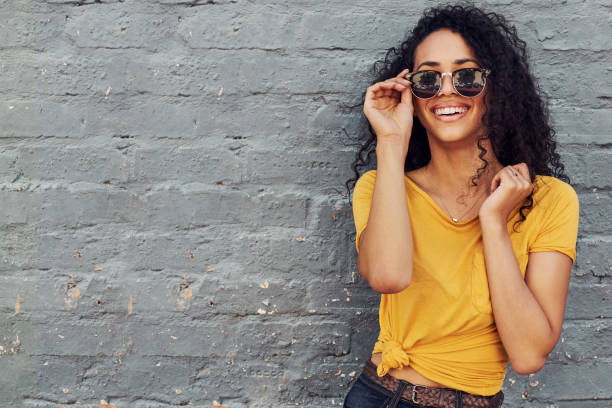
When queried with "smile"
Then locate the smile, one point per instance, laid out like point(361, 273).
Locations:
point(450, 113)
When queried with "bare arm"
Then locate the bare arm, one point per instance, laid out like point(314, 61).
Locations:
point(385, 256)
point(528, 312)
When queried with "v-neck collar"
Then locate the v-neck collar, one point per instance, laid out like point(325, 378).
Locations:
point(436, 207)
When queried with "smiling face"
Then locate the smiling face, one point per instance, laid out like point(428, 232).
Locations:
point(448, 116)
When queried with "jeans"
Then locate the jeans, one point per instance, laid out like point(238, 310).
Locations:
point(367, 394)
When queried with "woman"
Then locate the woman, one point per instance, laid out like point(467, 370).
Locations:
point(467, 227)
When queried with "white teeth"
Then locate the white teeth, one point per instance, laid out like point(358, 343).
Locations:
point(450, 110)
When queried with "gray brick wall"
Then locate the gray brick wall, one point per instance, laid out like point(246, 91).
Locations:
point(172, 225)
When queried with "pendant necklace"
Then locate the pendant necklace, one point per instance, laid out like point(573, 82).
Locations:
point(455, 219)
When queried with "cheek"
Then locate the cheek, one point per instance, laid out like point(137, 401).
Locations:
point(419, 108)
point(480, 109)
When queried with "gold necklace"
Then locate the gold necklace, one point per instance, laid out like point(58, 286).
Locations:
point(456, 219)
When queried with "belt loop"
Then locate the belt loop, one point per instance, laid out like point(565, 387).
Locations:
point(459, 399)
point(398, 394)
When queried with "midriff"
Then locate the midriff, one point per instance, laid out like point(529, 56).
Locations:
point(407, 373)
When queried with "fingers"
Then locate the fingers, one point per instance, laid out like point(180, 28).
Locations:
point(523, 170)
point(495, 182)
point(515, 177)
point(390, 86)
point(387, 88)
point(402, 75)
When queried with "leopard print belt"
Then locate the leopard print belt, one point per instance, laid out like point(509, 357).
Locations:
point(433, 397)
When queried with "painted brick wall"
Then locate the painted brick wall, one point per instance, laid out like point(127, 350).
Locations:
point(172, 225)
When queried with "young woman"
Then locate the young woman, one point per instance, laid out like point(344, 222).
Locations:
point(467, 227)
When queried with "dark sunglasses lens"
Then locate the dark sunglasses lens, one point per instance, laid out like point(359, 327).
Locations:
point(426, 84)
point(469, 82)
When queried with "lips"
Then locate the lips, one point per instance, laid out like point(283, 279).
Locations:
point(449, 111)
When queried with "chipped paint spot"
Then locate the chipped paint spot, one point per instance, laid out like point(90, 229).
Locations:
point(187, 294)
point(74, 293)
point(130, 303)
point(79, 255)
point(104, 404)
point(184, 296)
point(18, 304)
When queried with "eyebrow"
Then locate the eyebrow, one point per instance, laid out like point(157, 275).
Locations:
point(437, 64)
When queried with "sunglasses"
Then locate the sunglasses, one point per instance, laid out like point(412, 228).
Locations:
point(468, 82)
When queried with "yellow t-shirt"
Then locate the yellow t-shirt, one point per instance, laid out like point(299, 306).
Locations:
point(442, 325)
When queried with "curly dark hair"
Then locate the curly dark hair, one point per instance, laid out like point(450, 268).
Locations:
point(516, 120)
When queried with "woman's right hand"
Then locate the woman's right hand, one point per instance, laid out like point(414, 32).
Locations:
point(388, 107)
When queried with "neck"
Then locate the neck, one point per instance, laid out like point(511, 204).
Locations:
point(453, 165)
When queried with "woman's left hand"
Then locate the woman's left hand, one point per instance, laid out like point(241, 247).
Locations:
point(509, 188)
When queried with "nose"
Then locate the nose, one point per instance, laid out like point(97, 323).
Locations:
point(446, 86)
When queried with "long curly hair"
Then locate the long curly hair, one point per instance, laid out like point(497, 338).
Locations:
point(516, 118)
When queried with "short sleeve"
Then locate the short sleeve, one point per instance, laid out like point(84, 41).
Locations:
point(362, 201)
point(559, 226)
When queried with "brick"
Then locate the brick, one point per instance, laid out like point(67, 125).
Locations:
point(587, 168)
point(35, 31)
point(587, 126)
point(240, 28)
point(594, 257)
point(94, 164)
point(21, 381)
point(571, 382)
point(335, 28)
point(18, 207)
point(185, 163)
point(562, 33)
point(594, 207)
point(8, 172)
point(173, 207)
point(86, 206)
point(582, 341)
point(117, 29)
point(18, 248)
point(326, 168)
point(589, 301)
point(285, 210)
point(583, 92)
point(32, 119)
point(248, 299)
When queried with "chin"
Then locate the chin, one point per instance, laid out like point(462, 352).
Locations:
point(456, 135)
